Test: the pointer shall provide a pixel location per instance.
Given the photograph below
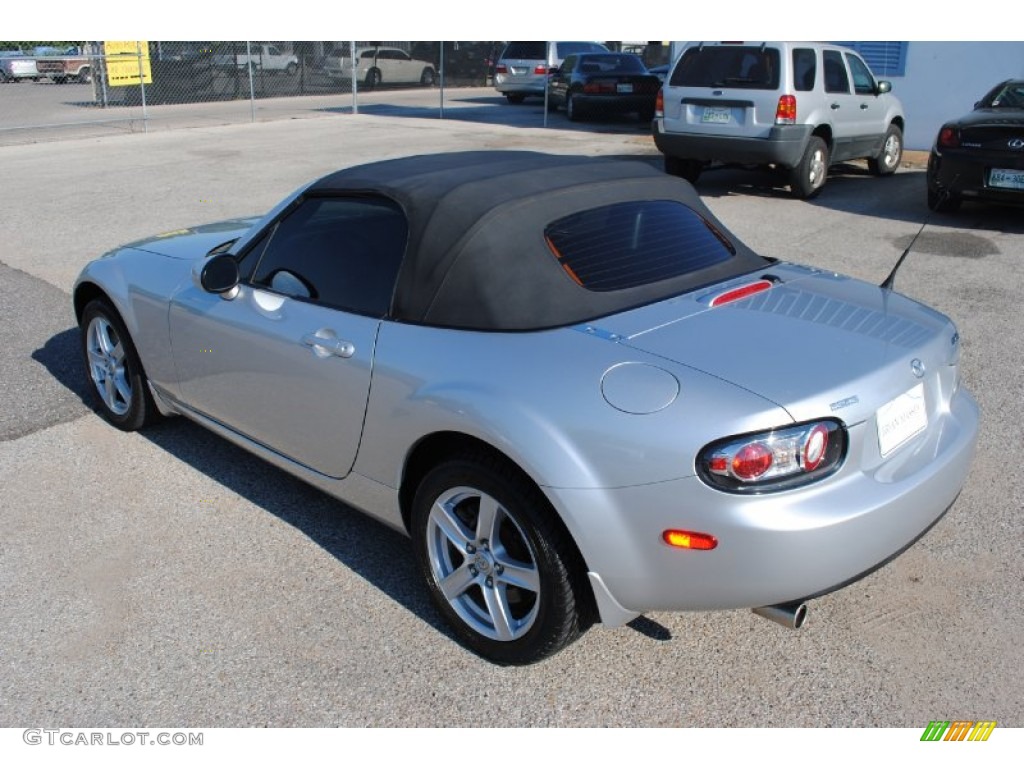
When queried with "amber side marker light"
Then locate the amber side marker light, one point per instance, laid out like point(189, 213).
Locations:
point(689, 539)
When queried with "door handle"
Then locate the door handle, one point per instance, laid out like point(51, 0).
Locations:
point(328, 345)
point(863, 106)
point(834, 105)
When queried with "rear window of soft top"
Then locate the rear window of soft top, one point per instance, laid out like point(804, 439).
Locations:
point(629, 244)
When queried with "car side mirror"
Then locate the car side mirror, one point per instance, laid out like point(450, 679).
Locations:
point(220, 275)
point(884, 86)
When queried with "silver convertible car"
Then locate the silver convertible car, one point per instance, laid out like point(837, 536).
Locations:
point(579, 395)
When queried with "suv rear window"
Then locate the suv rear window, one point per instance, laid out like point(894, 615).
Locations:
point(635, 243)
point(567, 49)
point(528, 50)
point(733, 66)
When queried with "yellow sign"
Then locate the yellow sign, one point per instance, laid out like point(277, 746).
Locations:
point(127, 62)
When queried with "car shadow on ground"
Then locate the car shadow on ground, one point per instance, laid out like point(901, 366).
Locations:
point(372, 550)
point(851, 188)
point(484, 111)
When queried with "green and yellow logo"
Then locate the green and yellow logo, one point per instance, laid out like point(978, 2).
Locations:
point(958, 730)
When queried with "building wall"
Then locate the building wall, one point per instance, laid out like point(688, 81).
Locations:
point(944, 79)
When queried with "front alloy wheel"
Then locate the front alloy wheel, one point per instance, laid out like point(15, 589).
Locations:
point(113, 367)
point(498, 565)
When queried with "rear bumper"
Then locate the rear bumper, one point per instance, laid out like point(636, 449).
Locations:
point(966, 173)
point(784, 146)
point(773, 548)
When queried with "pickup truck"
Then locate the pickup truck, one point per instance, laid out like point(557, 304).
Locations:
point(61, 66)
point(269, 58)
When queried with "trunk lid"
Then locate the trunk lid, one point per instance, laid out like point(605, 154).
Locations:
point(815, 343)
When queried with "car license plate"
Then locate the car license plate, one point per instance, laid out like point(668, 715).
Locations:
point(716, 115)
point(901, 419)
point(1005, 178)
point(624, 88)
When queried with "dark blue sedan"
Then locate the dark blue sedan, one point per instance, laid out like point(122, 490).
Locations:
point(603, 84)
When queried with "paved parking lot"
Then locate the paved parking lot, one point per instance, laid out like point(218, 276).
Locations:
point(168, 577)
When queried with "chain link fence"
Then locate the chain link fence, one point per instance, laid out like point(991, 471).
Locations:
point(96, 88)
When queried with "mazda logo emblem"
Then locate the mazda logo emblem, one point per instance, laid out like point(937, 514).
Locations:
point(917, 367)
point(1016, 143)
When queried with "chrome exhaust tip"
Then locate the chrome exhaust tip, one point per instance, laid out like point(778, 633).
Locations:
point(790, 615)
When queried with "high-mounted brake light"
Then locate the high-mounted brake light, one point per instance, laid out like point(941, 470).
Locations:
point(735, 294)
point(774, 460)
point(785, 112)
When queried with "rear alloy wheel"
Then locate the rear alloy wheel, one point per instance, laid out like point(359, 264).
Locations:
point(85, 75)
point(427, 78)
point(113, 367)
point(808, 177)
point(373, 78)
point(497, 566)
point(888, 159)
point(292, 69)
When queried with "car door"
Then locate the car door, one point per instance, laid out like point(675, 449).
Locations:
point(871, 112)
point(843, 106)
point(286, 360)
point(560, 80)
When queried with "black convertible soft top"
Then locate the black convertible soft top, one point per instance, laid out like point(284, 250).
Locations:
point(477, 256)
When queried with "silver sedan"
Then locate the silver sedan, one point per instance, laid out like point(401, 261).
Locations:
point(576, 391)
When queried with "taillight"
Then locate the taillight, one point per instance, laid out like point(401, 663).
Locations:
point(540, 69)
point(601, 86)
point(949, 137)
point(659, 103)
point(501, 69)
point(785, 112)
point(775, 460)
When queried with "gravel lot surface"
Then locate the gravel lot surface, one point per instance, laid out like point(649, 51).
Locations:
point(167, 577)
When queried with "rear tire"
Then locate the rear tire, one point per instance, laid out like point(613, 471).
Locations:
point(373, 79)
point(808, 177)
point(888, 159)
point(497, 565)
point(572, 108)
point(943, 201)
point(428, 77)
point(515, 98)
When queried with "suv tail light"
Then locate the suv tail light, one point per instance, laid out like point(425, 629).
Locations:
point(501, 69)
point(785, 113)
point(775, 460)
point(949, 137)
point(540, 69)
point(659, 104)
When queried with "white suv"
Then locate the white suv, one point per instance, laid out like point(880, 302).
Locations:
point(797, 106)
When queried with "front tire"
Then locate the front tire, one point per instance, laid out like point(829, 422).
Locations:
point(888, 159)
point(808, 177)
point(373, 78)
point(497, 565)
point(428, 77)
point(84, 75)
point(292, 69)
point(112, 366)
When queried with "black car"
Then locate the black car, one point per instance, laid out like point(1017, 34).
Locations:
point(603, 83)
point(981, 155)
